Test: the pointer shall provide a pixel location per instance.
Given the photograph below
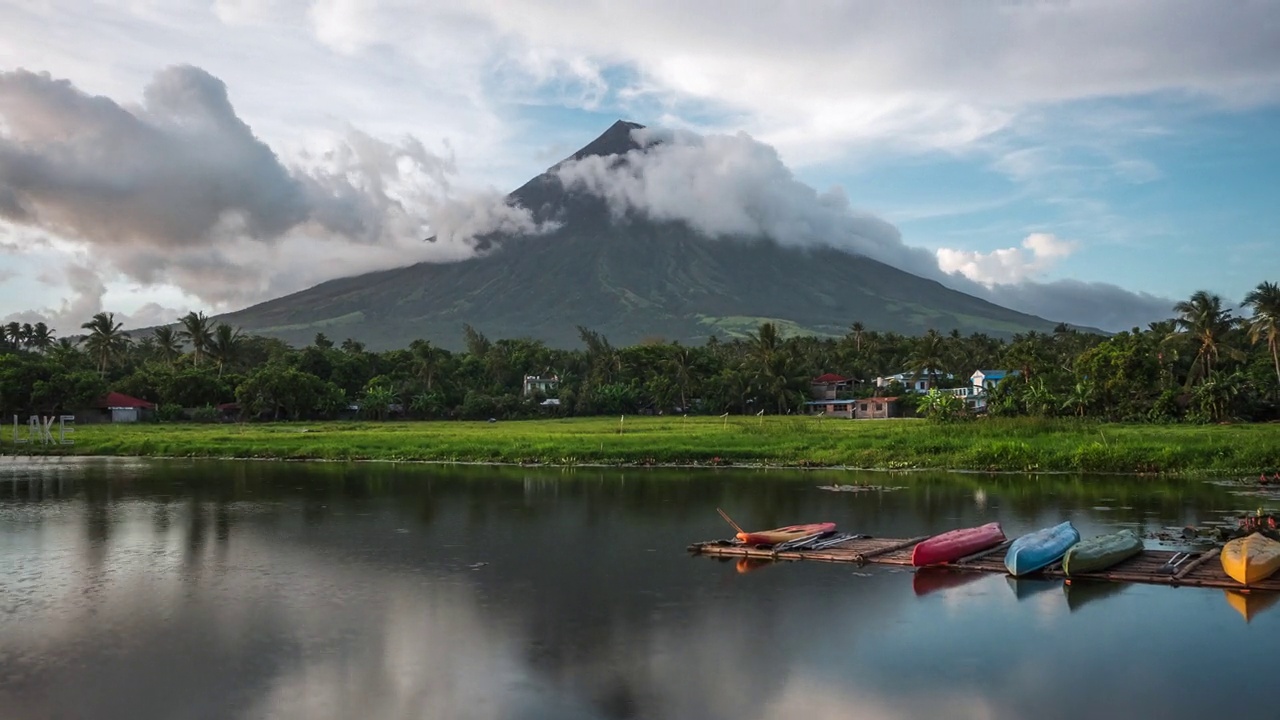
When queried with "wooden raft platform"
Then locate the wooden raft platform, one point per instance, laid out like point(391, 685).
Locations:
point(1202, 570)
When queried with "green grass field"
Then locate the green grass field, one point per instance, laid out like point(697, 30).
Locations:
point(991, 445)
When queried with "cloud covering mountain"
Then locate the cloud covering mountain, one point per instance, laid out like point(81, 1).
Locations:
point(179, 191)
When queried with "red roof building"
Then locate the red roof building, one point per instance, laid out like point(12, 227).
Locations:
point(830, 378)
point(120, 400)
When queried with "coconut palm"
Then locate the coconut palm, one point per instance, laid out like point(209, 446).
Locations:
point(106, 340)
point(1264, 300)
point(197, 330)
point(225, 346)
point(65, 351)
point(929, 354)
point(167, 344)
point(13, 333)
point(41, 337)
point(426, 361)
point(682, 369)
point(856, 330)
point(1203, 319)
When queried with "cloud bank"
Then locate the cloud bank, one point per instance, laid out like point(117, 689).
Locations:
point(735, 186)
point(732, 186)
point(178, 189)
point(1039, 252)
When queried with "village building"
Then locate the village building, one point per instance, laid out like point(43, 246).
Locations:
point(540, 384)
point(829, 386)
point(975, 393)
point(870, 408)
point(117, 408)
point(920, 382)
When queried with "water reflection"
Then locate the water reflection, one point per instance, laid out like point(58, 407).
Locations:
point(934, 579)
point(1082, 592)
point(1251, 604)
point(1025, 588)
point(247, 590)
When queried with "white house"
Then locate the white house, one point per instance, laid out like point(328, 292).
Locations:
point(975, 393)
point(917, 382)
point(540, 384)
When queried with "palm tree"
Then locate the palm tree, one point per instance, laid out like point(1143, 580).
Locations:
point(13, 333)
point(41, 337)
point(225, 346)
point(168, 345)
point(764, 343)
point(1265, 302)
point(197, 330)
point(106, 340)
point(64, 351)
point(1206, 322)
point(682, 371)
point(929, 354)
point(856, 330)
point(426, 361)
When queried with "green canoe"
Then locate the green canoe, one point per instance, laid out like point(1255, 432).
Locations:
point(1101, 552)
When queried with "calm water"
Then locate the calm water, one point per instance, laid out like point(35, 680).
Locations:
point(171, 589)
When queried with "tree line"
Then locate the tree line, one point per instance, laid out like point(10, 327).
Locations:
point(1208, 362)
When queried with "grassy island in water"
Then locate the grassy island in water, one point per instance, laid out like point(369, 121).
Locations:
point(988, 445)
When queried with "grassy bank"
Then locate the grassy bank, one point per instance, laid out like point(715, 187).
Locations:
point(1003, 445)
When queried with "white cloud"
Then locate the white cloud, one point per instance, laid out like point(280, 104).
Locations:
point(735, 186)
point(179, 190)
point(1039, 252)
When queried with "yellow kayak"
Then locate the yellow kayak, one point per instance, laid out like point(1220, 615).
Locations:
point(1251, 559)
point(1250, 604)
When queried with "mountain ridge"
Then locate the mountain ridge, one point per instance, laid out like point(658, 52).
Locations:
point(630, 278)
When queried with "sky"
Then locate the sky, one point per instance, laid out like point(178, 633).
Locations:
point(1085, 161)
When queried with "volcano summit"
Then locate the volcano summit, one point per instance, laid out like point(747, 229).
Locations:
point(646, 235)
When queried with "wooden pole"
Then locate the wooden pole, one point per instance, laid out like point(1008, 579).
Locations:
point(1207, 555)
point(862, 557)
point(979, 555)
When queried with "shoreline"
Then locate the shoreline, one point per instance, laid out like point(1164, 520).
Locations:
point(775, 443)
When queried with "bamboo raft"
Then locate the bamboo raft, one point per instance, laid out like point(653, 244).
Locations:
point(1154, 567)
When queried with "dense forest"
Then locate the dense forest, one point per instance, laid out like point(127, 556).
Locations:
point(1209, 362)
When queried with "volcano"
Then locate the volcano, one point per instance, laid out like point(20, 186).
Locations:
point(629, 278)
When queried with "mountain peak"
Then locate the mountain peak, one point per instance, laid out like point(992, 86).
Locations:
point(616, 140)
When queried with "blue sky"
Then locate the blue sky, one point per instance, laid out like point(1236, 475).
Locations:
point(1129, 147)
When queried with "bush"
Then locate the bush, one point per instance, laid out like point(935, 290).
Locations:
point(206, 414)
point(169, 412)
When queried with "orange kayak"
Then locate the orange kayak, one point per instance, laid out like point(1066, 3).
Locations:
point(783, 534)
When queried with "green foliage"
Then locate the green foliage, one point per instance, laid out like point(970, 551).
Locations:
point(1200, 366)
point(205, 414)
point(941, 407)
point(282, 391)
point(169, 412)
point(1018, 444)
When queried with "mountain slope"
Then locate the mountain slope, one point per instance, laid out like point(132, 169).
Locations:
point(630, 279)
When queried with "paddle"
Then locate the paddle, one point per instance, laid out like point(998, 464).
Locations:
point(729, 520)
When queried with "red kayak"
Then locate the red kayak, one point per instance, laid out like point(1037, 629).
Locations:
point(783, 534)
point(956, 544)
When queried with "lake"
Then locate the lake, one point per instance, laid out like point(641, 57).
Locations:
point(218, 589)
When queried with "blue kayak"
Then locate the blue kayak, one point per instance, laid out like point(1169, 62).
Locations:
point(1036, 550)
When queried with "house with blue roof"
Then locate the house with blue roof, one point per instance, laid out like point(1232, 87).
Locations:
point(989, 378)
point(975, 393)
